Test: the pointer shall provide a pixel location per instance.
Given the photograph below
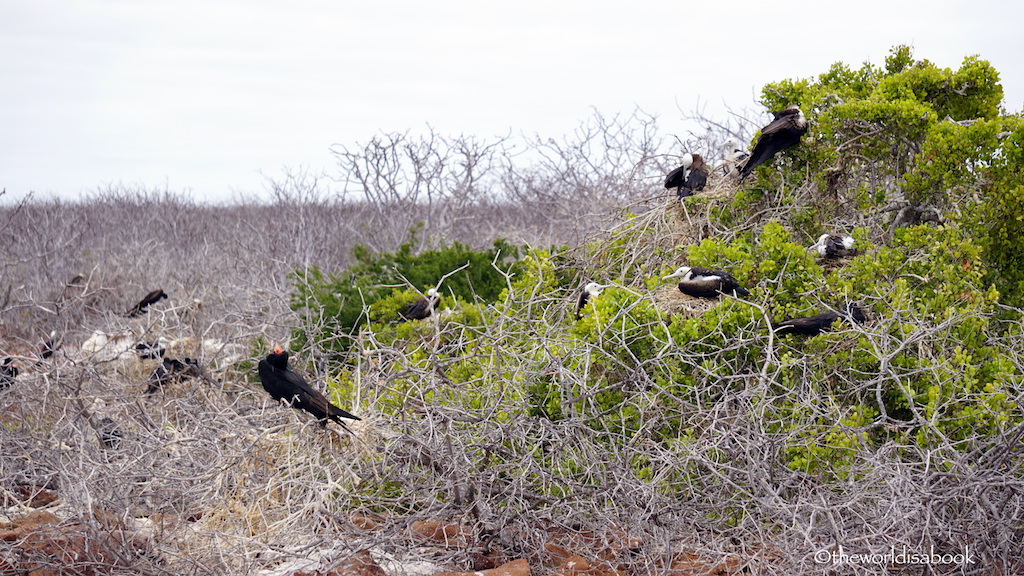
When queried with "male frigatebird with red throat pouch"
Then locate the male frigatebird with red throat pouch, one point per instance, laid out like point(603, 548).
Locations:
point(285, 384)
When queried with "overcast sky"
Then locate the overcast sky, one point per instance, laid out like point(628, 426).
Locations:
point(215, 97)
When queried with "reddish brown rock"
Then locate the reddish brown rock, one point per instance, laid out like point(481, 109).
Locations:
point(41, 545)
point(11, 531)
point(448, 535)
point(555, 555)
point(361, 564)
point(578, 566)
point(690, 564)
point(487, 558)
point(368, 522)
point(513, 568)
point(36, 496)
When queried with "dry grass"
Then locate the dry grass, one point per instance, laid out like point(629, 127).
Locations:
point(219, 479)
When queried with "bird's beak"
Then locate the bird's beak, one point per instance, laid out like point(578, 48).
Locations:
point(277, 349)
point(673, 275)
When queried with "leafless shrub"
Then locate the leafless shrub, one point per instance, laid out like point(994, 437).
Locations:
point(216, 478)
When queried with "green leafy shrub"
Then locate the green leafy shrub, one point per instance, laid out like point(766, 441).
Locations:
point(377, 286)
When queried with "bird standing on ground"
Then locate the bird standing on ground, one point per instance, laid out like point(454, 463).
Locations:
point(834, 246)
point(783, 132)
point(691, 177)
point(592, 289)
point(814, 325)
point(284, 384)
point(151, 298)
point(706, 282)
point(421, 308)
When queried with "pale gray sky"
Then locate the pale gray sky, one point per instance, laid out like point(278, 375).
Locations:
point(213, 97)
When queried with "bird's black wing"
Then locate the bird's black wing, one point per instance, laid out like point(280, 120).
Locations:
point(778, 135)
point(151, 298)
point(289, 386)
point(675, 178)
point(417, 310)
point(697, 179)
point(584, 297)
point(8, 373)
point(807, 325)
point(709, 287)
point(698, 271)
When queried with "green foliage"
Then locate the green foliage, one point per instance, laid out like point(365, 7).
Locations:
point(377, 286)
point(997, 221)
point(926, 371)
point(877, 119)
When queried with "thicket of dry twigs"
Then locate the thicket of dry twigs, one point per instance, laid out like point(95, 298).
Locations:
point(209, 476)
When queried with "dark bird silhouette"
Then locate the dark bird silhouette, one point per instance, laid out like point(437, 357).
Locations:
point(706, 283)
point(592, 289)
point(814, 325)
point(49, 346)
point(8, 372)
point(150, 299)
point(152, 350)
point(109, 432)
point(172, 370)
point(691, 177)
point(284, 384)
point(783, 132)
point(834, 246)
point(421, 308)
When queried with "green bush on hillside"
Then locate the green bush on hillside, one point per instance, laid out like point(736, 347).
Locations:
point(378, 285)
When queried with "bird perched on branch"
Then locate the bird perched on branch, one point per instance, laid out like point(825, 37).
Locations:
point(706, 282)
point(691, 177)
point(150, 299)
point(152, 350)
point(782, 133)
point(171, 370)
point(592, 289)
point(834, 246)
point(735, 155)
point(49, 346)
point(421, 308)
point(282, 383)
point(814, 325)
point(8, 372)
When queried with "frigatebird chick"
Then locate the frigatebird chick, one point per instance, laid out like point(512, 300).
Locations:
point(592, 289)
point(782, 133)
point(735, 155)
point(8, 372)
point(421, 308)
point(834, 246)
point(814, 325)
point(150, 299)
point(691, 177)
point(172, 370)
point(282, 383)
point(706, 282)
